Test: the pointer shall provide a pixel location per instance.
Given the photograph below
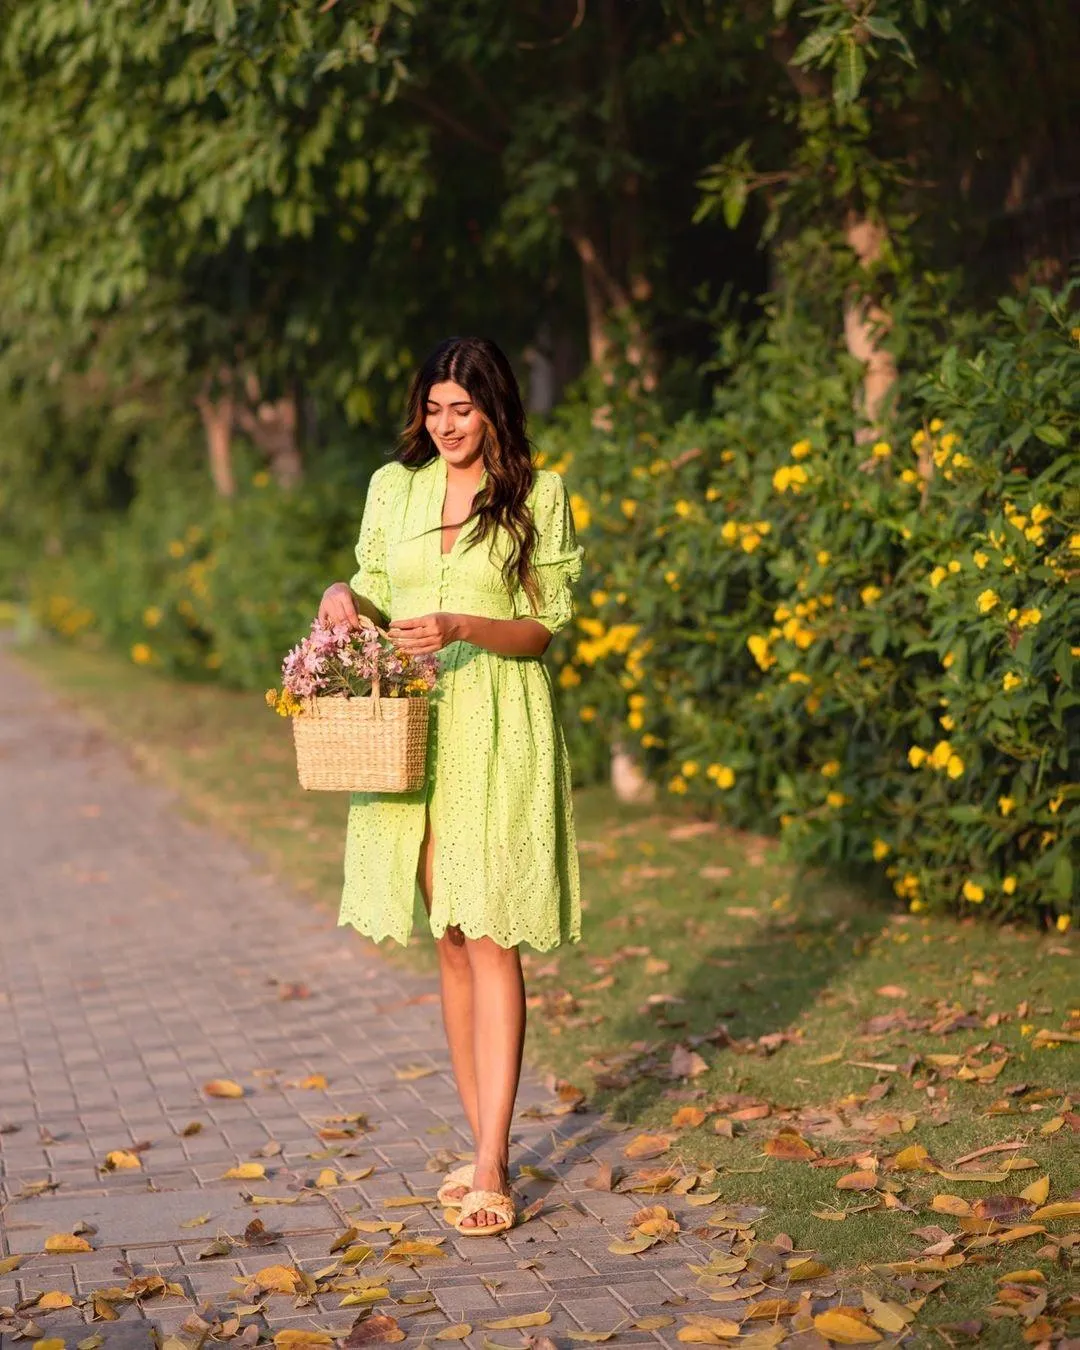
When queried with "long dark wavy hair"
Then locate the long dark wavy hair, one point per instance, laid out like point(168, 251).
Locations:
point(482, 370)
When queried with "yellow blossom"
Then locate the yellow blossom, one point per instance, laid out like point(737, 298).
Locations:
point(635, 721)
point(726, 456)
point(152, 616)
point(1039, 513)
point(986, 601)
point(798, 677)
point(1010, 681)
point(880, 849)
point(954, 566)
point(974, 892)
point(759, 650)
point(948, 440)
point(936, 424)
point(937, 576)
point(672, 579)
point(835, 798)
point(213, 662)
point(947, 660)
point(176, 548)
point(800, 449)
point(824, 557)
point(1006, 805)
point(917, 906)
point(1074, 543)
point(677, 784)
point(587, 713)
point(629, 507)
point(683, 508)
point(750, 541)
point(869, 594)
point(1009, 885)
point(598, 599)
point(593, 627)
point(908, 476)
point(947, 721)
point(791, 476)
point(260, 479)
point(1029, 617)
point(711, 494)
point(580, 508)
point(830, 768)
point(729, 532)
point(569, 677)
point(1055, 803)
point(722, 775)
point(271, 698)
point(142, 654)
point(649, 741)
point(689, 768)
point(1026, 1028)
point(1035, 534)
point(636, 701)
point(940, 754)
point(1012, 614)
point(1063, 922)
point(955, 766)
point(961, 461)
point(881, 450)
point(918, 440)
point(980, 559)
point(916, 755)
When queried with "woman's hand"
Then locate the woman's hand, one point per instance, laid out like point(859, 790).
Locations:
point(431, 633)
point(338, 605)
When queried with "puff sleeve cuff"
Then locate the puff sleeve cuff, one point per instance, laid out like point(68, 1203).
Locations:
point(372, 581)
point(558, 557)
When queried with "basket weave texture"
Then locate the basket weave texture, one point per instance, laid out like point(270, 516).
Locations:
point(362, 744)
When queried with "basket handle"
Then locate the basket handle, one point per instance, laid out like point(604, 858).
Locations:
point(376, 692)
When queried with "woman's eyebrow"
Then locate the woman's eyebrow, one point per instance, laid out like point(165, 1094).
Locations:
point(461, 403)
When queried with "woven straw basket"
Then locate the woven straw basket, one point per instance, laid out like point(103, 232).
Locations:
point(366, 744)
point(362, 744)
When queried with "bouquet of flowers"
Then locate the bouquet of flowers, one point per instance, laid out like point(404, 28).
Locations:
point(341, 660)
point(359, 709)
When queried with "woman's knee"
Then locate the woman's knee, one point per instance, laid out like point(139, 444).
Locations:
point(451, 948)
point(485, 951)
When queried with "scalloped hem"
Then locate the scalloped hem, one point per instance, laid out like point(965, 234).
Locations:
point(537, 944)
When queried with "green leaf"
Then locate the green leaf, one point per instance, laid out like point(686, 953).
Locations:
point(814, 46)
point(1061, 879)
point(781, 9)
point(1051, 435)
point(849, 72)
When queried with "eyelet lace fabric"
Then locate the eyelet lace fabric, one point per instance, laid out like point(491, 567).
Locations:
point(498, 778)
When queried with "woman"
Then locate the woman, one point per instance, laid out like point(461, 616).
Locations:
point(465, 549)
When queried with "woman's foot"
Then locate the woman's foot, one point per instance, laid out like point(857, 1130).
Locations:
point(487, 1177)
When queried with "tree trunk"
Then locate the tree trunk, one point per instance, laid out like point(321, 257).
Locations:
point(217, 419)
point(866, 328)
point(273, 425)
point(628, 780)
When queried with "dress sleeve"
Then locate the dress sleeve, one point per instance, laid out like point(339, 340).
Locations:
point(557, 559)
point(372, 581)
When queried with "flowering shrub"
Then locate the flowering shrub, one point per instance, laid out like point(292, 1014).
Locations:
point(343, 661)
point(874, 646)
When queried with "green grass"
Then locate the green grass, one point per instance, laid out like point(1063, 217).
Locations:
point(692, 931)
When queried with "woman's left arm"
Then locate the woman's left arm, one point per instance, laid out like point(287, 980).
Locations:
point(504, 637)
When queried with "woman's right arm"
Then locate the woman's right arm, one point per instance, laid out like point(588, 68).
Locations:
point(341, 604)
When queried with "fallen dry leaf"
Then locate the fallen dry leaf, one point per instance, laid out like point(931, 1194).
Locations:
point(67, 1242)
point(858, 1181)
point(223, 1087)
point(533, 1319)
point(789, 1146)
point(278, 1279)
point(1037, 1191)
point(301, 1338)
point(688, 1117)
point(249, 1171)
point(54, 1298)
point(843, 1327)
point(378, 1330)
point(119, 1159)
point(951, 1204)
point(1063, 1209)
point(647, 1146)
point(457, 1332)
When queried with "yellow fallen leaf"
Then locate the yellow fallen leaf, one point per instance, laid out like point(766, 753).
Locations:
point(55, 1298)
point(789, 1146)
point(647, 1146)
point(352, 1256)
point(703, 1198)
point(806, 1269)
point(769, 1309)
point(1062, 1209)
point(830, 1215)
point(327, 1177)
point(457, 1332)
point(249, 1171)
point(411, 1072)
point(990, 1177)
point(223, 1087)
point(1037, 1191)
point(1022, 1277)
point(120, 1158)
point(1018, 1164)
point(1046, 1036)
point(278, 1279)
point(403, 1201)
point(589, 1337)
point(885, 1315)
point(314, 1082)
point(67, 1242)
point(844, 1328)
point(197, 1221)
point(914, 1158)
point(393, 1226)
point(300, 1338)
point(398, 1251)
point(688, 1117)
point(1017, 1234)
point(631, 1246)
point(49, 1343)
point(858, 1181)
point(1052, 1125)
point(372, 1295)
point(701, 1329)
point(652, 1323)
point(10, 1263)
point(534, 1319)
point(951, 1204)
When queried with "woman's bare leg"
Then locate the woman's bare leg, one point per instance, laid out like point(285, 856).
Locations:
point(456, 985)
point(498, 1038)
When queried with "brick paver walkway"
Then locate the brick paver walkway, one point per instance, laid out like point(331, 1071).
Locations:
point(140, 957)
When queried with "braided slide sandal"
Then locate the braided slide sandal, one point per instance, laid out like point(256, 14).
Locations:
point(497, 1201)
point(460, 1176)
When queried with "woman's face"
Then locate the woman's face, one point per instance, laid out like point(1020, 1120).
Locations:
point(455, 424)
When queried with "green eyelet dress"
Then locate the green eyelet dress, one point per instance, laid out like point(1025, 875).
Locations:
point(498, 781)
